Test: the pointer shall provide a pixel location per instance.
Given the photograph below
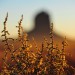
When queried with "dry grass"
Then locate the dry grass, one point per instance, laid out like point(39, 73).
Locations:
point(25, 62)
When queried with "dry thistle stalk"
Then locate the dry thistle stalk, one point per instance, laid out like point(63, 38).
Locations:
point(20, 28)
point(6, 46)
point(5, 33)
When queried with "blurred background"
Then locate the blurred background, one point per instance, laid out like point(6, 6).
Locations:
point(62, 14)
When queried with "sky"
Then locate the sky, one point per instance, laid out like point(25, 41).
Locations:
point(62, 13)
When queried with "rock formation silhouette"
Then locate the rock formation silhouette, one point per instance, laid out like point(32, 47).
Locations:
point(42, 22)
point(42, 27)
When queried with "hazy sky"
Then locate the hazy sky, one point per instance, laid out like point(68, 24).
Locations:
point(62, 12)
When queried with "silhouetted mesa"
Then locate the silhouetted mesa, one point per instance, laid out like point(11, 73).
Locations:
point(42, 25)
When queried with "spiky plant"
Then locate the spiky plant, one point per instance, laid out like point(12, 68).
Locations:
point(22, 61)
